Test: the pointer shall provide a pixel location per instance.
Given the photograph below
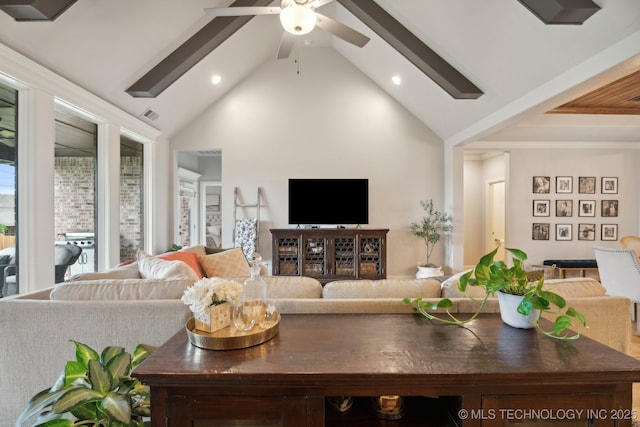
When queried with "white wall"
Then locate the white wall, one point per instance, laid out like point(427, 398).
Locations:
point(330, 121)
point(526, 163)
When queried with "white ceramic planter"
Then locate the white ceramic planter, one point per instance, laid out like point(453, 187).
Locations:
point(509, 312)
point(425, 272)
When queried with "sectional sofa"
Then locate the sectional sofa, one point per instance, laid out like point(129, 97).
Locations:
point(122, 307)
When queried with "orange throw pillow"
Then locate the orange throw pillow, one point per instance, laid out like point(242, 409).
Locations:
point(189, 258)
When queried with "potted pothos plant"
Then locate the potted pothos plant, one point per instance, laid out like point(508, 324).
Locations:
point(495, 277)
point(430, 230)
point(93, 390)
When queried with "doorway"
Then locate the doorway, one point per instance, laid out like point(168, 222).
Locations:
point(496, 219)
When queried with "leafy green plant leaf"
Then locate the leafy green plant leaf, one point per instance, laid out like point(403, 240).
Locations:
point(74, 371)
point(119, 365)
point(118, 407)
point(84, 353)
point(99, 378)
point(75, 397)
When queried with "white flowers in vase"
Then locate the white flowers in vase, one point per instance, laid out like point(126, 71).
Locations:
point(209, 292)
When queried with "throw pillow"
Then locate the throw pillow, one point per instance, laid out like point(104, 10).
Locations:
point(227, 263)
point(189, 258)
point(156, 268)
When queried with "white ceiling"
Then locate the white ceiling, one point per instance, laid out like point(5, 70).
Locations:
point(523, 67)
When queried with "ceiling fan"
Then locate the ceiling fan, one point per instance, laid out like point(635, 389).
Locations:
point(298, 17)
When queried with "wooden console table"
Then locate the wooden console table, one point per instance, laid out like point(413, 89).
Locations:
point(488, 374)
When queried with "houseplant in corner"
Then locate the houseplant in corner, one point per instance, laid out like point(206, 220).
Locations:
point(430, 229)
point(532, 299)
point(94, 390)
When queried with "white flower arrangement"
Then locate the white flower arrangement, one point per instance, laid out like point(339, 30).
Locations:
point(208, 292)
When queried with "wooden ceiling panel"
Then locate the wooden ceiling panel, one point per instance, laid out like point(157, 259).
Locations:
point(619, 97)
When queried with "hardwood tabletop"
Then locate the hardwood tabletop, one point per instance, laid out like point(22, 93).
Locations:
point(328, 352)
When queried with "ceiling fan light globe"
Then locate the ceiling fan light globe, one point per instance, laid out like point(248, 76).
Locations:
point(298, 20)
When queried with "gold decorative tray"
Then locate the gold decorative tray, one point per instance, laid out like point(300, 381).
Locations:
point(229, 338)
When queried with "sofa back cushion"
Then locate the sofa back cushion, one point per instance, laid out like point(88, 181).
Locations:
point(575, 287)
point(384, 288)
point(450, 288)
point(289, 287)
point(119, 289)
point(128, 271)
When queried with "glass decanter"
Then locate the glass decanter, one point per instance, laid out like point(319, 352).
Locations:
point(253, 305)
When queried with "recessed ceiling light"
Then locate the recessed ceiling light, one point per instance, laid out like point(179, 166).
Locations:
point(396, 80)
point(216, 79)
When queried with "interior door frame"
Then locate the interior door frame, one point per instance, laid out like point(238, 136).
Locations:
point(203, 207)
point(191, 178)
point(490, 242)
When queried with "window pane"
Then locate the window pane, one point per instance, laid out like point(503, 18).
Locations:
point(75, 186)
point(8, 190)
point(131, 198)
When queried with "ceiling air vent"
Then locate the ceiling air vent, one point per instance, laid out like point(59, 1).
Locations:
point(150, 114)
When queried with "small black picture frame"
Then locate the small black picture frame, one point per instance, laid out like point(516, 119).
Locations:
point(587, 185)
point(541, 208)
point(541, 184)
point(564, 208)
point(540, 231)
point(587, 208)
point(564, 184)
point(609, 232)
point(586, 232)
point(564, 231)
point(609, 185)
point(608, 208)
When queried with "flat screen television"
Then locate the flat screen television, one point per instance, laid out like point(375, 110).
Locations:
point(328, 201)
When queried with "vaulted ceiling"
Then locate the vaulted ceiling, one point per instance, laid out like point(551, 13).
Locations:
point(522, 66)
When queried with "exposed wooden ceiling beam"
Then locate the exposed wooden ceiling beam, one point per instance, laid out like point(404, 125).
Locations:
point(387, 27)
point(412, 48)
point(35, 10)
point(191, 52)
point(571, 12)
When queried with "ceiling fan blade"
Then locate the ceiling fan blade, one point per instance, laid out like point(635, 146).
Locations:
point(319, 3)
point(340, 30)
point(242, 11)
point(286, 45)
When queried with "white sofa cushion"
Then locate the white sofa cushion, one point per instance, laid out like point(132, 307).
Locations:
point(128, 271)
point(119, 289)
point(450, 288)
point(384, 288)
point(575, 287)
point(156, 268)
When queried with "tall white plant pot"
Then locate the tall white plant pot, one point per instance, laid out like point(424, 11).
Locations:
point(426, 272)
point(509, 312)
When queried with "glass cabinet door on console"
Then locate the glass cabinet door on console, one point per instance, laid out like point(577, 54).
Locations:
point(344, 264)
point(314, 255)
point(330, 254)
point(372, 252)
point(286, 254)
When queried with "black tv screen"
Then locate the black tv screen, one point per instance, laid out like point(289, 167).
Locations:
point(328, 201)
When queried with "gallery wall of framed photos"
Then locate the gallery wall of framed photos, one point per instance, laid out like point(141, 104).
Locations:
point(567, 208)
